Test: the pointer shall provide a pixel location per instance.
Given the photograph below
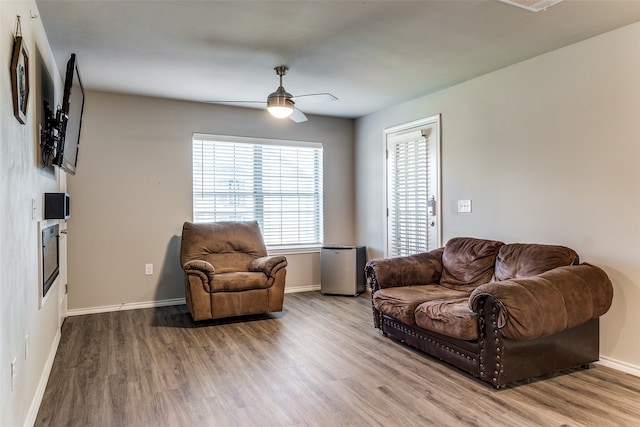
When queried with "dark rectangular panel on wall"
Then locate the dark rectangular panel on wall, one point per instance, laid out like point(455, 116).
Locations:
point(57, 206)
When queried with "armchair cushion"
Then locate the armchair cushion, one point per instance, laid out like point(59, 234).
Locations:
point(239, 281)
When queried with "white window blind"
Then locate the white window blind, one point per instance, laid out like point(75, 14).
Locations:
point(407, 193)
point(277, 183)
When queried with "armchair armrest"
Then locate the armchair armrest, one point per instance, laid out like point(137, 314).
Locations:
point(199, 265)
point(418, 269)
point(548, 303)
point(269, 265)
point(200, 268)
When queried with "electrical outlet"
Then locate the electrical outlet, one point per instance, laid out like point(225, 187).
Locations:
point(13, 374)
point(26, 346)
point(464, 206)
point(148, 269)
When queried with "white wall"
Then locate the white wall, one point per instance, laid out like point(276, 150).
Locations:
point(21, 181)
point(132, 193)
point(548, 152)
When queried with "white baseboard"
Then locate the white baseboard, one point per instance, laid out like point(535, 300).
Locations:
point(42, 384)
point(163, 303)
point(125, 306)
point(295, 289)
point(620, 366)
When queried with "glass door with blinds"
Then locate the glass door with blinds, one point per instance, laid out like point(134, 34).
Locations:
point(413, 187)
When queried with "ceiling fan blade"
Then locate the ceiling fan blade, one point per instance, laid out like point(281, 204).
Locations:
point(315, 97)
point(298, 116)
point(236, 102)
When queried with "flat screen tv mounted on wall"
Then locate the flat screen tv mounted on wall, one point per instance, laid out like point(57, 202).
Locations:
point(70, 120)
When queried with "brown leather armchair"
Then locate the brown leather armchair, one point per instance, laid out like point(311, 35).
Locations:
point(228, 272)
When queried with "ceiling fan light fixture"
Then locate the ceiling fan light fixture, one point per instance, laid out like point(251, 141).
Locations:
point(280, 104)
point(280, 112)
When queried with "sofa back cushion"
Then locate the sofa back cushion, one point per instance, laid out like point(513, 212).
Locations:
point(468, 262)
point(519, 260)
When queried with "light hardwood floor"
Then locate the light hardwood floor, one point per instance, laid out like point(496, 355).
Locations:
point(319, 363)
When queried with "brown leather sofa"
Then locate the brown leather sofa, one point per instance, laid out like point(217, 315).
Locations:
point(227, 270)
point(501, 312)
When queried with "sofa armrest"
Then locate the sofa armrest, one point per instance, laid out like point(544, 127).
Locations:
point(548, 303)
point(418, 269)
point(268, 265)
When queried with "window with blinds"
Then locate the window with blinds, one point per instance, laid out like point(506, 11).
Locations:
point(412, 180)
point(277, 183)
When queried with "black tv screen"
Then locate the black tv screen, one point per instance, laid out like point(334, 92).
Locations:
point(71, 116)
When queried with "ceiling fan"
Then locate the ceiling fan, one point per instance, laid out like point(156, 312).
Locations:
point(281, 104)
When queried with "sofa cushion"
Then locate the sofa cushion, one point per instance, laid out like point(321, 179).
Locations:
point(450, 317)
point(468, 263)
point(401, 302)
point(518, 260)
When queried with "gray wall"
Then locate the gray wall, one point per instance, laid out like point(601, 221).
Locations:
point(132, 193)
point(22, 181)
point(548, 152)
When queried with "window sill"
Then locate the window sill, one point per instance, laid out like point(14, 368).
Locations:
point(294, 250)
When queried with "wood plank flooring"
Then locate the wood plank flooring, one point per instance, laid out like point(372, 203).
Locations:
point(318, 363)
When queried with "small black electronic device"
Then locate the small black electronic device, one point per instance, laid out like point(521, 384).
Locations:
point(57, 206)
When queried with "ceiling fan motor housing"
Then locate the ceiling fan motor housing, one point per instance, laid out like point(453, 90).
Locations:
point(280, 98)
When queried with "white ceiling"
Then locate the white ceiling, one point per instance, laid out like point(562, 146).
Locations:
point(370, 54)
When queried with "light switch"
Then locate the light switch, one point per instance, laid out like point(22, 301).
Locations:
point(464, 206)
point(13, 374)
